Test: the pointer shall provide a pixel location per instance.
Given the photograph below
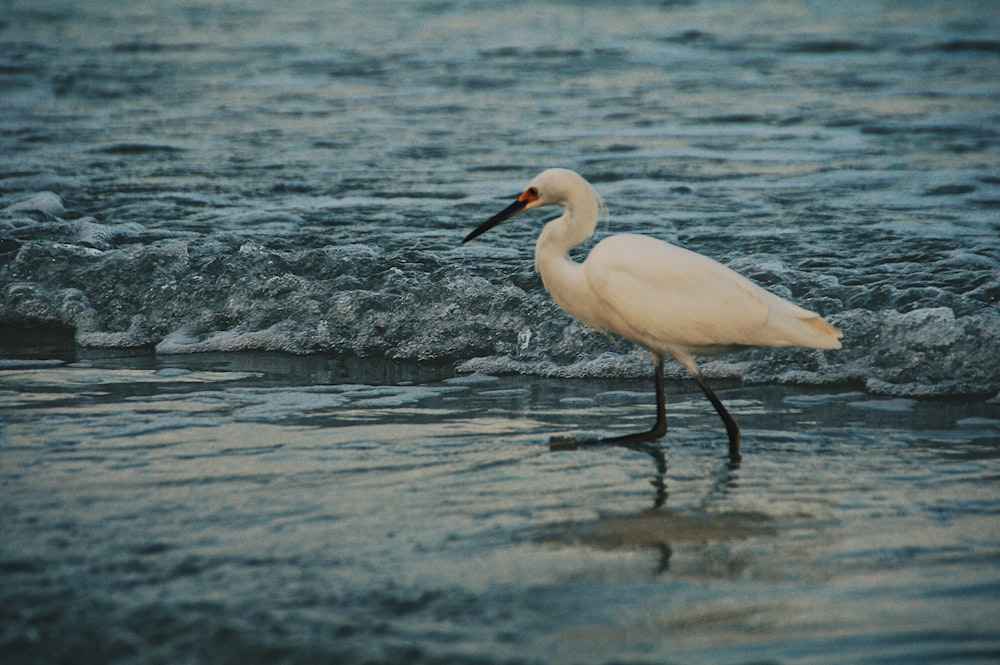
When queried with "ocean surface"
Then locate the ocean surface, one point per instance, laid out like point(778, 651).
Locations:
point(259, 405)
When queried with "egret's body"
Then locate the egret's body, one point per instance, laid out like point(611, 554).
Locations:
point(662, 297)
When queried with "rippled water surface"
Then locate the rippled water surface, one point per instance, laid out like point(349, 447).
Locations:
point(258, 509)
point(260, 405)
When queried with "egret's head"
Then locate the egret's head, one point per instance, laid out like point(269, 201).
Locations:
point(550, 187)
point(556, 186)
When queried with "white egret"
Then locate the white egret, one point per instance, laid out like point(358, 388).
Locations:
point(662, 297)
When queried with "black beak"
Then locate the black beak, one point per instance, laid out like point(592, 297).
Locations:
point(506, 213)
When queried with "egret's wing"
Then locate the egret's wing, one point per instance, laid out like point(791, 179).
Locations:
point(663, 296)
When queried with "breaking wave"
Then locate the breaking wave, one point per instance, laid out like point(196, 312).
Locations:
point(126, 286)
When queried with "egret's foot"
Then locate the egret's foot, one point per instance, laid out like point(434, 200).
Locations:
point(628, 441)
point(634, 439)
point(563, 443)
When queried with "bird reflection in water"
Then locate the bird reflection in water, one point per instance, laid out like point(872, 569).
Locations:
point(657, 528)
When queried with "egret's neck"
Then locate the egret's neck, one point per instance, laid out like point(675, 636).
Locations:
point(562, 276)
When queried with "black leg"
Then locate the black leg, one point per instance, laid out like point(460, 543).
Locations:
point(660, 427)
point(657, 432)
point(731, 427)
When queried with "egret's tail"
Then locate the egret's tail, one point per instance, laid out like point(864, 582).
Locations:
point(818, 333)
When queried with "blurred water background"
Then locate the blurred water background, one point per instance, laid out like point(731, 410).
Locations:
point(259, 405)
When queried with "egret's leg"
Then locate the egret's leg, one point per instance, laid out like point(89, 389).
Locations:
point(731, 427)
point(658, 431)
point(660, 427)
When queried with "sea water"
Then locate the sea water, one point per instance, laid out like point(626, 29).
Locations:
point(260, 405)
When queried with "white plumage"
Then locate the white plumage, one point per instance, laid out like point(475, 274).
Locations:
point(664, 298)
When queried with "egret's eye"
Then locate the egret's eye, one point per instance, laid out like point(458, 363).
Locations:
point(529, 195)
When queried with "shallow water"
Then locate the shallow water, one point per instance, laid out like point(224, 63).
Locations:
point(258, 509)
point(259, 405)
